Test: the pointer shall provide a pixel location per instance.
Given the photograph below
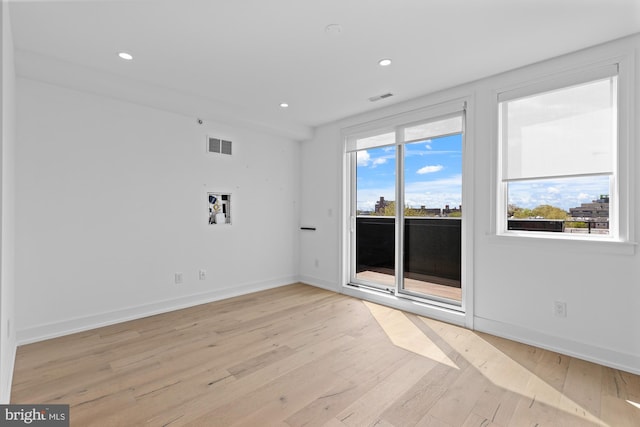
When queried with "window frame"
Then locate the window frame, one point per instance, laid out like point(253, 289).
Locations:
point(620, 182)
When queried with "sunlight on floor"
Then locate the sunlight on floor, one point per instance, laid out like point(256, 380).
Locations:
point(560, 382)
point(403, 333)
point(503, 371)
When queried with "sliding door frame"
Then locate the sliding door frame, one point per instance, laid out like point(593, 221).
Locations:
point(462, 314)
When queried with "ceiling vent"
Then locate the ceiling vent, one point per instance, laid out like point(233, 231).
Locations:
point(217, 145)
point(379, 97)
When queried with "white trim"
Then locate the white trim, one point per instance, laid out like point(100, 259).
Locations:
point(573, 244)
point(390, 123)
point(626, 197)
point(621, 211)
point(468, 204)
point(345, 239)
point(561, 81)
point(399, 225)
point(458, 106)
point(614, 359)
point(545, 177)
point(80, 324)
point(319, 283)
point(6, 387)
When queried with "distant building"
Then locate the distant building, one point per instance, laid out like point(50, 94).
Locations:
point(448, 211)
point(421, 211)
point(381, 204)
point(595, 212)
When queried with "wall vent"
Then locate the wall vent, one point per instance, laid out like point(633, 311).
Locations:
point(379, 97)
point(217, 145)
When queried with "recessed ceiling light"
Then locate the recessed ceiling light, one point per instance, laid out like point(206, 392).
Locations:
point(384, 62)
point(126, 56)
point(284, 105)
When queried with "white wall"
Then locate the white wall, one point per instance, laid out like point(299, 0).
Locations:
point(7, 213)
point(111, 202)
point(319, 207)
point(515, 281)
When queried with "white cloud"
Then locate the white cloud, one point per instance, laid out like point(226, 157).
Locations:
point(363, 158)
point(379, 161)
point(430, 169)
point(432, 194)
point(564, 193)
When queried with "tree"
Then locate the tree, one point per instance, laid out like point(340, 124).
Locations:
point(576, 224)
point(542, 211)
point(522, 213)
point(549, 212)
point(390, 210)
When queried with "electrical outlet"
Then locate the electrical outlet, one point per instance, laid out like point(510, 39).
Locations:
point(202, 274)
point(178, 278)
point(560, 308)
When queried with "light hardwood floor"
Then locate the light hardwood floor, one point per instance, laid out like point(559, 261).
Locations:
point(302, 356)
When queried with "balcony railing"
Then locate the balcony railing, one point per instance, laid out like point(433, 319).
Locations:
point(432, 248)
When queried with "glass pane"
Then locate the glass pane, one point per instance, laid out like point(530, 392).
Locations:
point(375, 219)
point(571, 131)
point(562, 205)
point(433, 213)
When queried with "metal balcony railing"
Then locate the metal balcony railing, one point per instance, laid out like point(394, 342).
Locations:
point(432, 247)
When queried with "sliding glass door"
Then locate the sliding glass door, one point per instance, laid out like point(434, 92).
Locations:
point(406, 209)
point(375, 223)
point(432, 220)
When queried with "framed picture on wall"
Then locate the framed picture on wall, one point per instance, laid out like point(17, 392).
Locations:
point(219, 208)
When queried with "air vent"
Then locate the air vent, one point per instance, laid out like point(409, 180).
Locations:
point(220, 146)
point(379, 97)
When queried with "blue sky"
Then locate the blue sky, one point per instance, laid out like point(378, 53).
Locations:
point(433, 177)
point(564, 193)
point(433, 174)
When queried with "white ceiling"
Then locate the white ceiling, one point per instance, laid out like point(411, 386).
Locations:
point(237, 60)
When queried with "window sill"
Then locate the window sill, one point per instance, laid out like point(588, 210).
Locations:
point(599, 245)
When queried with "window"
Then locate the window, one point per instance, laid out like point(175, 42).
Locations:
point(559, 151)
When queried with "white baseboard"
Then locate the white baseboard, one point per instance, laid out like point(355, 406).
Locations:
point(617, 360)
point(319, 283)
point(80, 324)
point(613, 359)
point(5, 395)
